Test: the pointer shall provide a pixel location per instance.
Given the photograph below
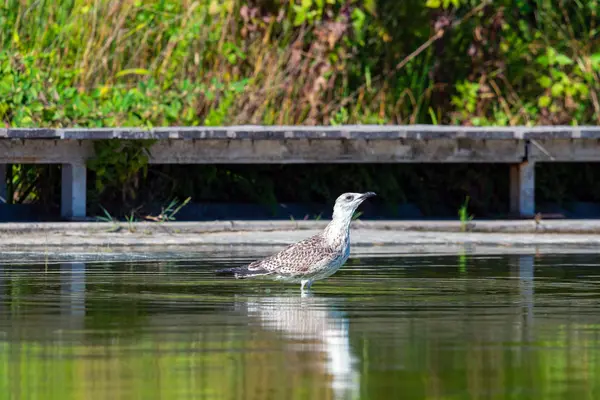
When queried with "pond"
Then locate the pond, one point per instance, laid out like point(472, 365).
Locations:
point(427, 326)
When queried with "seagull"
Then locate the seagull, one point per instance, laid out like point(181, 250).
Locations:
point(314, 258)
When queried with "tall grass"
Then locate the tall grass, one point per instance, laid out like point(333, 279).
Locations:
point(190, 62)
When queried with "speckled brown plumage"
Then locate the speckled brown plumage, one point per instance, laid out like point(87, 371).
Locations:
point(299, 258)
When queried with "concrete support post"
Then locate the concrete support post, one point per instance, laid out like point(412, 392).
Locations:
point(73, 191)
point(522, 189)
point(3, 189)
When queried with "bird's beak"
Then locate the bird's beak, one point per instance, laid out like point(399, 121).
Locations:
point(367, 195)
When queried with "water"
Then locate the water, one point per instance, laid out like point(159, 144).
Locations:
point(427, 327)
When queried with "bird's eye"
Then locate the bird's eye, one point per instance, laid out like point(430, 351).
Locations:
point(349, 197)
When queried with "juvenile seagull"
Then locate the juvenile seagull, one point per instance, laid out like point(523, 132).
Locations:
point(313, 258)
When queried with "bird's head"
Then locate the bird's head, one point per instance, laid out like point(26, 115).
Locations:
point(347, 203)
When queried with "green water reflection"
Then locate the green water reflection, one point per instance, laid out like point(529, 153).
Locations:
point(428, 327)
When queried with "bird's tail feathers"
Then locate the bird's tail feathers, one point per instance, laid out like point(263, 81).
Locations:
point(241, 272)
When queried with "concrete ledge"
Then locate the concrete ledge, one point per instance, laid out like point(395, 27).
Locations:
point(229, 234)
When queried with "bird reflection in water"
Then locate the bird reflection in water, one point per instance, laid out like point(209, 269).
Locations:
point(312, 324)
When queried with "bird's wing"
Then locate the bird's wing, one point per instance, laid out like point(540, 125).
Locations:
point(298, 257)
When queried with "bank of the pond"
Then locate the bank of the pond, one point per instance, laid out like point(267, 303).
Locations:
point(515, 233)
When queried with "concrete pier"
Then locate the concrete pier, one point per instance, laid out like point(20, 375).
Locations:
point(518, 147)
point(522, 189)
point(73, 191)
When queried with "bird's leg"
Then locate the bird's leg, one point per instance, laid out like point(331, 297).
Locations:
point(303, 283)
point(306, 283)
